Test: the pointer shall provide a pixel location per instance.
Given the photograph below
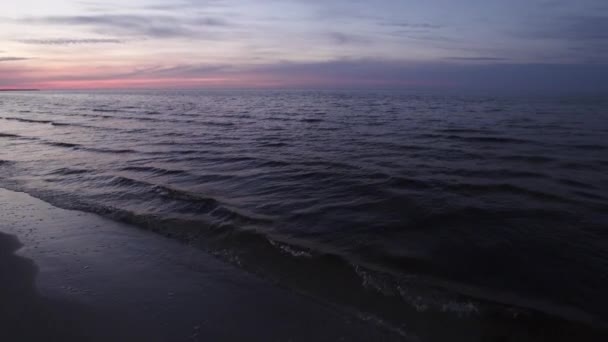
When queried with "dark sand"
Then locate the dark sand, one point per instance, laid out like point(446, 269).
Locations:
point(72, 276)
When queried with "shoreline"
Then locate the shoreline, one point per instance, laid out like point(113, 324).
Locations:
point(77, 276)
point(109, 276)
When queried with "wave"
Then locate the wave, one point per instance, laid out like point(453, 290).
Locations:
point(274, 163)
point(478, 138)
point(497, 174)
point(535, 159)
point(80, 147)
point(101, 110)
point(153, 170)
point(464, 130)
point(489, 189)
point(9, 135)
point(583, 166)
point(164, 120)
point(109, 150)
point(55, 123)
point(346, 279)
point(489, 139)
point(27, 120)
point(409, 183)
point(576, 184)
point(188, 152)
point(190, 202)
point(273, 144)
point(212, 123)
point(362, 207)
point(66, 171)
point(591, 147)
point(592, 196)
point(61, 144)
point(291, 250)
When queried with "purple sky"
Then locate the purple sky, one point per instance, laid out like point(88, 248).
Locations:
point(523, 45)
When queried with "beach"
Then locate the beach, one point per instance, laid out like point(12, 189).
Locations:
point(73, 276)
point(76, 276)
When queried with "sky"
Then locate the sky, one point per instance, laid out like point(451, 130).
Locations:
point(527, 45)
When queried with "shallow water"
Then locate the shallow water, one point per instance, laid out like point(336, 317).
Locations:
point(492, 197)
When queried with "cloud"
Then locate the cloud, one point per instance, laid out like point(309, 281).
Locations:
point(152, 26)
point(346, 38)
point(590, 28)
point(416, 26)
point(163, 6)
point(69, 41)
point(11, 59)
point(177, 71)
point(210, 21)
point(184, 4)
point(477, 59)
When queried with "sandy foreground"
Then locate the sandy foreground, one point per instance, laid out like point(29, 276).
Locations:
point(73, 276)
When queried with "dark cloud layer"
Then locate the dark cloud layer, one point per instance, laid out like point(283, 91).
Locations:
point(12, 59)
point(499, 78)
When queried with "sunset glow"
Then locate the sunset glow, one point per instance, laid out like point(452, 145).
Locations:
point(296, 43)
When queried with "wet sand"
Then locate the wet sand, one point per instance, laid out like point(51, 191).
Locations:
point(74, 276)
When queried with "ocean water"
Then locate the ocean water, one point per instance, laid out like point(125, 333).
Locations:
point(482, 199)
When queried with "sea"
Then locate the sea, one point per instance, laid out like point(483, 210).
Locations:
point(402, 207)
